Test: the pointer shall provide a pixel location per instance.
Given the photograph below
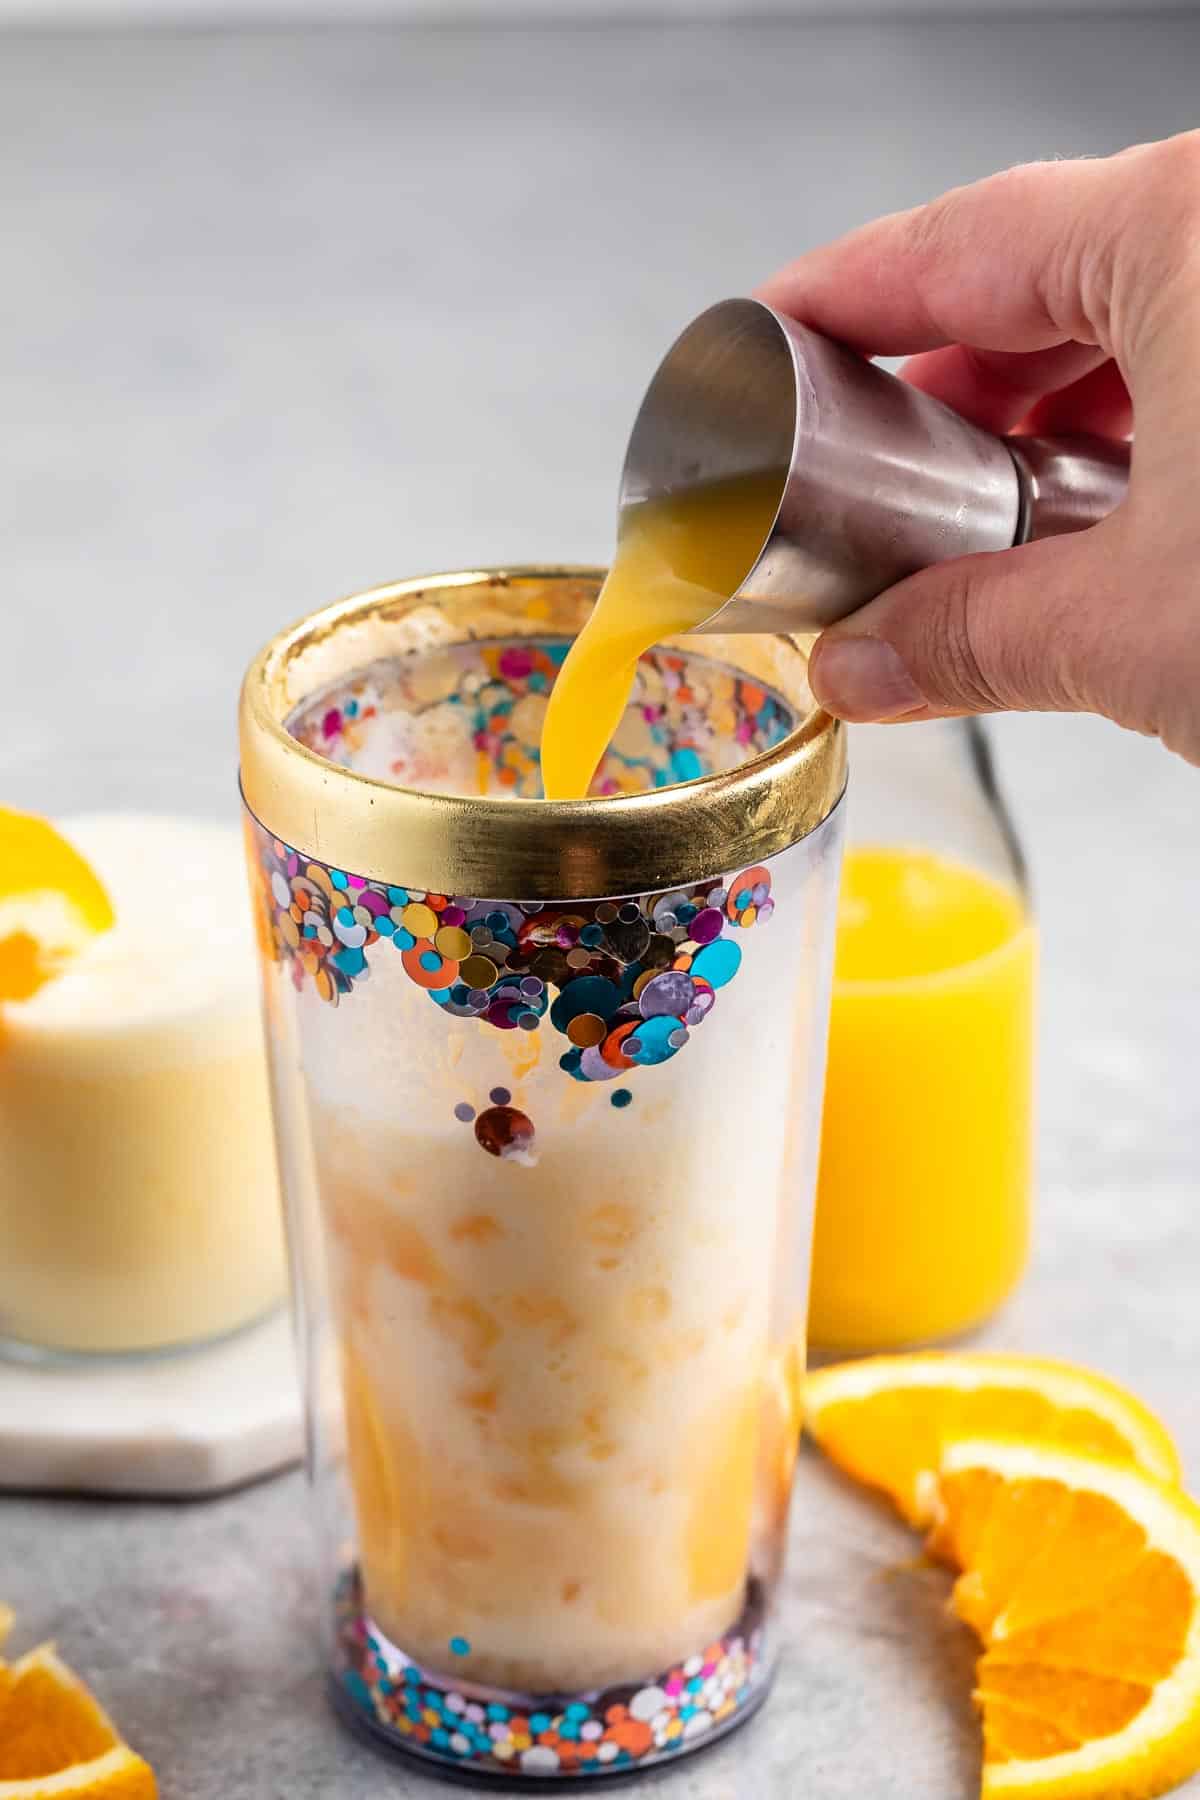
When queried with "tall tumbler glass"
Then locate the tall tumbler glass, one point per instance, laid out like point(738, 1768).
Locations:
point(547, 1082)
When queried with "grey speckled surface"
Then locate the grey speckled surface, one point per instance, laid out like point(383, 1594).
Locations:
point(289, 313)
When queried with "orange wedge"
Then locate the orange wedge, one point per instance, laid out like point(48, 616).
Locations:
point(117, 1775)
point(56, 1739)
point(1081, 1577)
point(51, 902)
point(888, 1420)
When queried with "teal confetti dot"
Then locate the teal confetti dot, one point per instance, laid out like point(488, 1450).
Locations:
point(338, 879)
point(350, 962)
point(621, 1097)
point(718, 962)
point(459, 1646)
point(685, 765)
point(403, 940)
point(431, 960)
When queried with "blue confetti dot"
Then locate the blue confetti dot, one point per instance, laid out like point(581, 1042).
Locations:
point(718, 962)
point(403, 940)
point(568, 1729)
point(338, 879)
point(539, 1722)
point(498, 1714)
point(621, 1097)
point(590, 993)
point(350, 962)
point(441, 995)
point(413, 1674)
point(344, 915)
point(685, 765)
point(398, 896)
point(440, 1738)
point(742, 899)
point(591, 935)
point(351, 709)
point(577, 1710)
point(459, 1645)
point(653, 1038)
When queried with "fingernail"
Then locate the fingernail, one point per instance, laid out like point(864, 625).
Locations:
point(861, 678)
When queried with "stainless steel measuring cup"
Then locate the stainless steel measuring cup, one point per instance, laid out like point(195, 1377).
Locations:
point(876, 479)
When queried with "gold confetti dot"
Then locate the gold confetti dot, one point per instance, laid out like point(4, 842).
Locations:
point(586, 1029)
point(478, 972)
point(420, 919)
point(453, 942)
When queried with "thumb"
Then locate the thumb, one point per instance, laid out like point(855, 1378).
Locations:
point(1037, 629)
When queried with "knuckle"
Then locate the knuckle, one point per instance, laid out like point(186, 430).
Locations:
point(956, 648)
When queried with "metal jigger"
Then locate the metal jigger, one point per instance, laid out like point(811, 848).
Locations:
point(876, 480)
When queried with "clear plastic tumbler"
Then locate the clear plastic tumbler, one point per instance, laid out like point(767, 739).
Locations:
point(547, 1082)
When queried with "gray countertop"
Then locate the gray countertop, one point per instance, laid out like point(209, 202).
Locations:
point(289, 313)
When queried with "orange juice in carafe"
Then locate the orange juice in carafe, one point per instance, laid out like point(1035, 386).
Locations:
point(926, 1160)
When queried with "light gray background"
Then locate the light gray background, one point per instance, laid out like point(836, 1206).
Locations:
point(289, 313)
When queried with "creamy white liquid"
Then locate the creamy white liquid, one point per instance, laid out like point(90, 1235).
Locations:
point(138, 1193)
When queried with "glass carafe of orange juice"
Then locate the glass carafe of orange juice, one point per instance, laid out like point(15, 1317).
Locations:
point(926, 1162)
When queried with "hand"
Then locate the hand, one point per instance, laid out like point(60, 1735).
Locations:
point(1055, 297)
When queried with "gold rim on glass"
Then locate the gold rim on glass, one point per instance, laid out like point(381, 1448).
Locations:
point(520, 848)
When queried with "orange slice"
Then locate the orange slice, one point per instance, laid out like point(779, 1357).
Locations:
point(888, 1420)
point(56, 1738)
point(51, 902)
point(117, 1775)
point(1081, 1578)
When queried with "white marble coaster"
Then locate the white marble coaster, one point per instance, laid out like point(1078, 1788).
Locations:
point(194, 1423)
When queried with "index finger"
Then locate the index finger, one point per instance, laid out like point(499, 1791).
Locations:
point(1000, 265)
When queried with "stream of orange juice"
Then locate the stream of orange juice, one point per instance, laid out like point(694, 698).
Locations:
point(926, 1156)
point(678, 560)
